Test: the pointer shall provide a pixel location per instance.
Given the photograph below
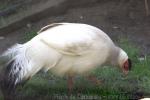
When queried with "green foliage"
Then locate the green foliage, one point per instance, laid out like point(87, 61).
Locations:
point(1, 97)
point(30, 35)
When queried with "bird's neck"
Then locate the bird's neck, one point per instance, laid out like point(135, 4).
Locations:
point(114, 56)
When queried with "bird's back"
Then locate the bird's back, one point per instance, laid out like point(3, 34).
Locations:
point(82, 46)
point(72, 33)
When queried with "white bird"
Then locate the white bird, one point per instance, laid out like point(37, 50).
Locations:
point(64, 49)
point(145, 99)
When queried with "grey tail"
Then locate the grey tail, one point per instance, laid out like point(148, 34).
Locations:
point(9, 80)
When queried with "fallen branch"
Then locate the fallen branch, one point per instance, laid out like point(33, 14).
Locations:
point(146, 8)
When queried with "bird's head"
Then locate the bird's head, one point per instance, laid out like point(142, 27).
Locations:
point(124, 62)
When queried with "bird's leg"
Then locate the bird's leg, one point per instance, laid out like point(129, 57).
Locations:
point(70, 83)
point(94, 80)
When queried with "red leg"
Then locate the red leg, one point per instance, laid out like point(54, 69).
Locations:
point(70, 84)
point(94, 80)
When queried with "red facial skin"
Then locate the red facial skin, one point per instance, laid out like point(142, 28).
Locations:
point(126, 67)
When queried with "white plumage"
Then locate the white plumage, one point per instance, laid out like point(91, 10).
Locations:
point(145, 99)
point(64, 48)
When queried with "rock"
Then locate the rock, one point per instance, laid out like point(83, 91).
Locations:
point(142, 58)
point(1, 37)
point(81, 17)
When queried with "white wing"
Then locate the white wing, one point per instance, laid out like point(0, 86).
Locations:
point(72, 39)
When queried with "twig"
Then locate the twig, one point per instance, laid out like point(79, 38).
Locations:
point(146, 8)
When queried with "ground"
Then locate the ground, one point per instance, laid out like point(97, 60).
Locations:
point(118, 19)
point(127, 19)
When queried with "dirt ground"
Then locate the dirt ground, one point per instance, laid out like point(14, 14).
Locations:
point(118, 19)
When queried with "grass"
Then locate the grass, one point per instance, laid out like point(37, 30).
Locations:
point(114, 86)
point(30, 35)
